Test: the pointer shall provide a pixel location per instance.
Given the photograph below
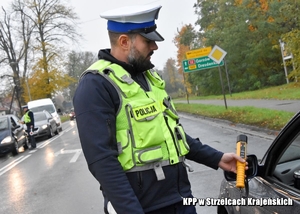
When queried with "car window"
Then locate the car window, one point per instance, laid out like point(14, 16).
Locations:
point(48, 114)
point(49, 108)
point(15, 120)
point(292, 152)
point(289, 162)
point(3, 123)
point(40, 117)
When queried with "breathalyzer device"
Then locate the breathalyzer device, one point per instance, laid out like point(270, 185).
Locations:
point(241, 150)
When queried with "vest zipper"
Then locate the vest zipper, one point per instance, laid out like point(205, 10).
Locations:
point(108, 124)
point(140, 181)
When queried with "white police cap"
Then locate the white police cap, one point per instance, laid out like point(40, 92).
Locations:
point(134, 19)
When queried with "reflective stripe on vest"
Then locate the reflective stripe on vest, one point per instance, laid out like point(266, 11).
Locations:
point(147, 125)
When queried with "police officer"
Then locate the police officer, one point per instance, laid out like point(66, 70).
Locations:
point(128, 126)
point(29, 122)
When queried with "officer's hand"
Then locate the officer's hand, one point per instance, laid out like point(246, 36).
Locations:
point(228, 162)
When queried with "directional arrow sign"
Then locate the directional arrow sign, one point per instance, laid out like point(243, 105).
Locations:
point(198, 52)
point(74, 158)
point(200, 63)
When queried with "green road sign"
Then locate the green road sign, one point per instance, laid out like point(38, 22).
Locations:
point(200, 63)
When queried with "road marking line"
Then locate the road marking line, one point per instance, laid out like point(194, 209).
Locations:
point(67, 130)
point(13, 164)
point(42, 145)
point(22, 158)
point(74, 158)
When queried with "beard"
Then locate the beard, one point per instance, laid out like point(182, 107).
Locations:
point(139, 62)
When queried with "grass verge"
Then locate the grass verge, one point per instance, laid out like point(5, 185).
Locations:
point(260, 117)
point(289, 91)
point(64, 118)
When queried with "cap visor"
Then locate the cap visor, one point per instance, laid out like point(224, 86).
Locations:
point(154, 36)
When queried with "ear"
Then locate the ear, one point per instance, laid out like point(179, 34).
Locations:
point(124, 42)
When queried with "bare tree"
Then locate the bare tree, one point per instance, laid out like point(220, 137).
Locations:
point(54, 26)
point(14, 40)
point(77, 63)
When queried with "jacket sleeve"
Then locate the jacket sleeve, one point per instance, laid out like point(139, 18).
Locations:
point(30, 114)
point(95, 103)
point(202, 153)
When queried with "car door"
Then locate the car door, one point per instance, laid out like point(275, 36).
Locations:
point(23, 133)
point(16, 128)
point(274, 188)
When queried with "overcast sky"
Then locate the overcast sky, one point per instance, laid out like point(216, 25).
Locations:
point(173, 14)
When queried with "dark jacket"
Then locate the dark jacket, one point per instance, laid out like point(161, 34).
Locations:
point(96, 103)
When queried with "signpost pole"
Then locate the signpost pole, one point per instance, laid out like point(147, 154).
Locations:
point(222, 87)
point(217, 54)
point(227, 77)
point(185, 87)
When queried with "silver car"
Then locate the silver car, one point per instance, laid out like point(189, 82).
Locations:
point(45, 125)
point(273, 184)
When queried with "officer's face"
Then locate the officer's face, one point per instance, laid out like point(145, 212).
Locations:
point(140, 53)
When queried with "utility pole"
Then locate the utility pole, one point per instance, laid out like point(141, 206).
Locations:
point(284, 65)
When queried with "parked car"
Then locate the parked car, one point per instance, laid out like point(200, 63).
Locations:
point(12, 135)
point(45, 125)
point(47, 105)
point(72, 115)
point(273, 183)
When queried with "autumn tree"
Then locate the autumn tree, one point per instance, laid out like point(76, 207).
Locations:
point(42, 83)
point(248, 31)
point(172, 78)
point(183, 40)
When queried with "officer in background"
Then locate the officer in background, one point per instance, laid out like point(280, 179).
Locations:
point(29, 122)
point(129, 129)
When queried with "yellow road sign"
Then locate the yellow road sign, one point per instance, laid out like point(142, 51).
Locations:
point(192, 67)
point(217, 54)
point(198, 52)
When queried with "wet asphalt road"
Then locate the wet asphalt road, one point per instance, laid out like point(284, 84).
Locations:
point(52, 180)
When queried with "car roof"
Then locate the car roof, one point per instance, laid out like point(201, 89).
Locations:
point(41, 112)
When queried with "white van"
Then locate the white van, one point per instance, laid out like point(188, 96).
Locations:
point(48, 105)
